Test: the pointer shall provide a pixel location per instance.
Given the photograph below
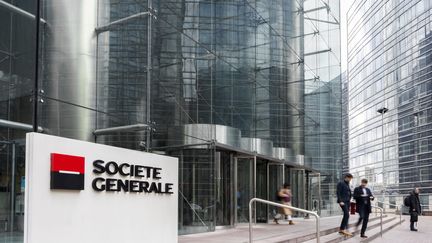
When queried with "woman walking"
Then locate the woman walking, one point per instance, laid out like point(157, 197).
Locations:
point(285, 196)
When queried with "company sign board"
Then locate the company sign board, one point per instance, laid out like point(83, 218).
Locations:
point(85, 192)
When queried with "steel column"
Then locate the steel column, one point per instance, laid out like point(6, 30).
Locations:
point(149, 69)
point(12, 192)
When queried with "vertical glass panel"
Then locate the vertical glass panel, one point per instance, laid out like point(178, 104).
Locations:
point(12, 177)
point(275, 182)
point(17, 52)
point(196, 191)
point(245, 188)
point(298, 188)
point(17, 66)
point(261, 190)
point(224, 193)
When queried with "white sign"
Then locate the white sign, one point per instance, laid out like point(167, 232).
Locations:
point(81, 192)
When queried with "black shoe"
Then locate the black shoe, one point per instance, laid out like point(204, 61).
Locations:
point(363, 236)
point(414, 230)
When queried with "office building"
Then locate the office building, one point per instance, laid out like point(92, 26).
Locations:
point(390, 95)
point(245, 93)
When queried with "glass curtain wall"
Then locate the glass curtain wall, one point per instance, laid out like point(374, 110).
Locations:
point(228, 63)
point(17, 65)
point(323, 97)
point(389, 67)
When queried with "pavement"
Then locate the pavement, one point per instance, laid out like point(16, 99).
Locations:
point(399, 234)
point(402, 234)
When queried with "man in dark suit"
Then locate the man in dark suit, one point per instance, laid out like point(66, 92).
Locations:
point(343, 199)
point(363, 197)
point(414, 207)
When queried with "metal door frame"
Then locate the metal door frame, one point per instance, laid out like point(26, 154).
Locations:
point(298, 182)
point(268, 182)
point(318, 175)
point(235, 183)
point(233, 187)
point(12, 187)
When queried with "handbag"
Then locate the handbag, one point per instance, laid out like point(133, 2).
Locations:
point(414, 217)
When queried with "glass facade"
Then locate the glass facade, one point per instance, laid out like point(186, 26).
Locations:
point(389, 65)
point(323, 99)
point(17, 66)
point(246, 93)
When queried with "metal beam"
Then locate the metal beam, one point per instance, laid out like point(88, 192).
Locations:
point(119, 22)
point(18, 126)
point(13, 189)
point(149, 69)
point(7, 53)
point(323, 21)
point(307, 34)
point(19, 11)
point(316, 9)
point(129, 128)
point(317, 52)
point(4, 59)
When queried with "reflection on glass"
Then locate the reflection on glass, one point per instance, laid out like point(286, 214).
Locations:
point(196, 190)
point(244, 188)
point(12, 177)
point(223, 192)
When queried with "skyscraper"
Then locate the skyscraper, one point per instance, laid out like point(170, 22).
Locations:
point(390, 95)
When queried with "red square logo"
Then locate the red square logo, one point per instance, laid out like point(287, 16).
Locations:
point(67, 172)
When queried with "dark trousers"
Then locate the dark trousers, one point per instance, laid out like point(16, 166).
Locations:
point(413, 219)
point(345, 208)
point(364, 217)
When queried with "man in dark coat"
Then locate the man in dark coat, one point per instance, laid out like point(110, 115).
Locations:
point(343, 199)
point(415, 207)
point(363, 197)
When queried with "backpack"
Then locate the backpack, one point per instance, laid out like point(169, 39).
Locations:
point(407, 201)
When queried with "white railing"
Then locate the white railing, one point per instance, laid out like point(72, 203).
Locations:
point(398, 208)
point(285, 206)
point(381, 218)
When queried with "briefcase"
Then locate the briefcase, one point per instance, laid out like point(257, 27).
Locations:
point(414, 217)
point(353, 207)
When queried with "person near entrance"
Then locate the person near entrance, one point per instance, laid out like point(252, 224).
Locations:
point(414, 207)
point(343, 199)
point(284, 197)
point(363, 197)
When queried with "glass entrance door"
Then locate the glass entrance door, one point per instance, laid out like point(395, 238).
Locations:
point(245, 187)
point(275, 180)
point(224, 189)
point(298, 182)
point(261, 191)
point(12, 171)
point(314, 196)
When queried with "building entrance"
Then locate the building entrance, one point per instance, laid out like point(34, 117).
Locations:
point(245, 187)
point(216, 186)
point(241, 178)
point(224, 189)
point(12, 171)
point(235, 187)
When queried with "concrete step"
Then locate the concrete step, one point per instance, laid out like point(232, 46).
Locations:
point(325, 230)
point(376, 232)
point(372, 225)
